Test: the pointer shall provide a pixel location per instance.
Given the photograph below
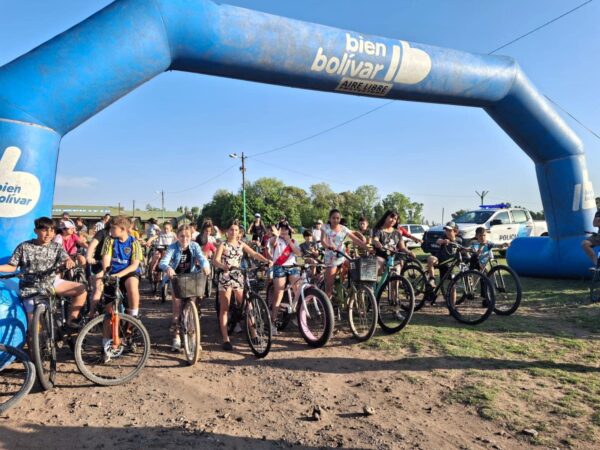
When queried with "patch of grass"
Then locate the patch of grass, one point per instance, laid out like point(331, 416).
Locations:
point(477, 395)
point(550, 347)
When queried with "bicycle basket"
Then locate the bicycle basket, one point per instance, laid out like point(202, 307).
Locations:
point(187, 285)
point(364, 269)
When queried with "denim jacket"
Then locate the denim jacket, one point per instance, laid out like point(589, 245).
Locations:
point(173, 256)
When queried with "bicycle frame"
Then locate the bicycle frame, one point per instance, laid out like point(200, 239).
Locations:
point(112, 309)
point(298, 296)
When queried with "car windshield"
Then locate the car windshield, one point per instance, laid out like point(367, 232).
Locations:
point(477, 217)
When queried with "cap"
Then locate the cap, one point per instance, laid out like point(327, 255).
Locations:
point(257, 215)
point(450, 226)
point(66, 224)
point(320, 222)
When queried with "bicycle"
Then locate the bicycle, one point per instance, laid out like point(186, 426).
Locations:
point(154, 275)
point(312, 307)
point(507, 286)
point(595, 282)
point(254, 313)
point(395, 296)
point(469, 294)
point(15, 381)
point(186, 287)
point(355, 296)
point(113, 342)
point(49, 332)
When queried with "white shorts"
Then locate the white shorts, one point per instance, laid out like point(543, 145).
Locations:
point(29, 304)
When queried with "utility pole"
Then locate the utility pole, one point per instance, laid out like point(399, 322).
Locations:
point(133, 210)
point(243, 170)
point(482, 195)
point(162, 203)
point(119, 209)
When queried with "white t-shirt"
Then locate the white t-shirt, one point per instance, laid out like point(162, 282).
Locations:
point(195, 234)
point(316, 234)
point(166, 239)
point(278, 248)
point(99, 226)
point(152, 230)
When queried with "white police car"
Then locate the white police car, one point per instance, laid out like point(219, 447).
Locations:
point(502, 222)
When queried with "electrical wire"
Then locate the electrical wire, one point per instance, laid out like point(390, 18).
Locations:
point(196, 186)
point(541, 26)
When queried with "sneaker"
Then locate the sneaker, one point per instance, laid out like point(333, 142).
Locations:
point(176, 346)
point(274, 331)
point(238, 328)
point(431, 283)
point(227, 346)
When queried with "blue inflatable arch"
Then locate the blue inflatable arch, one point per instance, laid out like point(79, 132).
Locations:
point(49, 91)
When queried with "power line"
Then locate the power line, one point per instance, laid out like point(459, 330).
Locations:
point(204, 182)
point(302, 173)
point(573, 117)
point(312, 136)
point(541, 26)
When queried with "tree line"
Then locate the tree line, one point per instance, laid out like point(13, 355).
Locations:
point(272, 198)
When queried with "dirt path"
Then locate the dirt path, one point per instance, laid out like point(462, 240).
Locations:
point(232, 400)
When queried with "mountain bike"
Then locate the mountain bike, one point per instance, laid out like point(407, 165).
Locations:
point(48, 330)
point(186, 287)
point(254, 313)
point(507, 286)
point(469, 294)
point(395, 296)
point(310, 305)
point(17, 375)
point(114, 347)
point(354, 296)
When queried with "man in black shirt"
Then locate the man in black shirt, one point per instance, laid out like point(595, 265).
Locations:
point(594, 240)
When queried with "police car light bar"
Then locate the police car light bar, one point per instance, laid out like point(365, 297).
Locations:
point(498, 206)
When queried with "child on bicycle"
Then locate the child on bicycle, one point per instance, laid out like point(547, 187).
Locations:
point(183, 256)
point(386, 237)
point(482, 250)
point(285, 251)
point(445, 254)
point(333, 235)
point(163, 240)
point(229, 258)
point(38, 260)
point(121, 257)
point(71, 241)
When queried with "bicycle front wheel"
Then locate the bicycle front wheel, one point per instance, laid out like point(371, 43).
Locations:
point(111, 363)
point(470, 297)
point(362, 313)
point(507, 289)
point(396, 302)
point(17, 379)
point(315, 317)
point(258, 325)
point(190, 329)
point(418, 279)
point(43, 347)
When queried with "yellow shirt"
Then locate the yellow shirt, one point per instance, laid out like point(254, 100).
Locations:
point(135, 234)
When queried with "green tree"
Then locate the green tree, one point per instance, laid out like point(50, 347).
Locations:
point(458, 213)
point(367, 197)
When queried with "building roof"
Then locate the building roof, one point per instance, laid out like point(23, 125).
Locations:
point(97, 211)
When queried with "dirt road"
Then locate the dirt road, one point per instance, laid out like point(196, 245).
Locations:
point(232, 400)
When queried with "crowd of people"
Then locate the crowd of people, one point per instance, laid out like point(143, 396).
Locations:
point(115, 247)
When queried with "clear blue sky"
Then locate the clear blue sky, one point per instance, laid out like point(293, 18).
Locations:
point(177, 130)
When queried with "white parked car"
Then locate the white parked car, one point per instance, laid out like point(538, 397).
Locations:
point(417, 230)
